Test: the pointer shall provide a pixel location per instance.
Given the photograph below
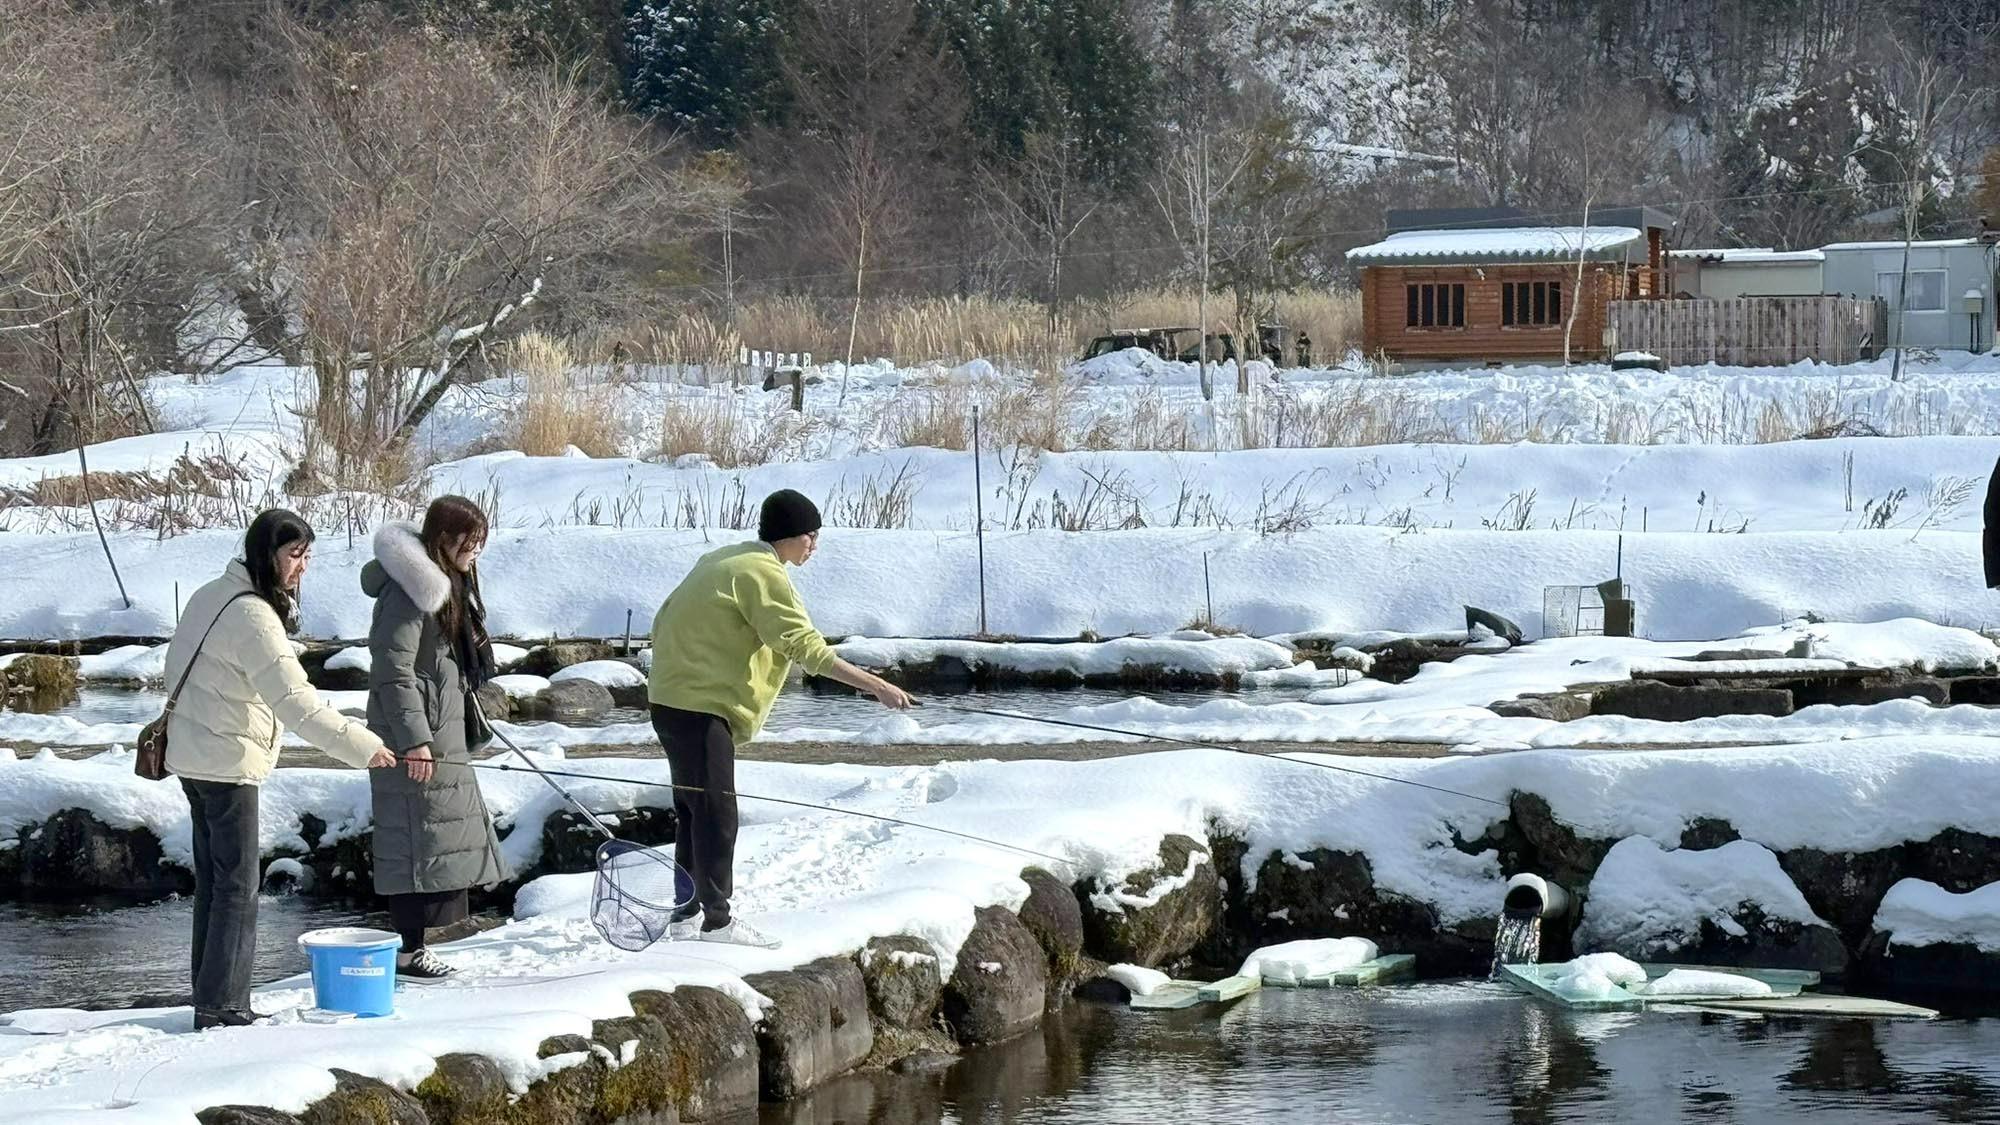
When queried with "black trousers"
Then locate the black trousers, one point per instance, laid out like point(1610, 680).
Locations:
point(227, 872)
point(413, 913)
point(702, 756)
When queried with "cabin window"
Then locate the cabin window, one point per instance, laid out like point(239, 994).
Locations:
point(1434, 306)
point(1926, 289)
point(1528, 304)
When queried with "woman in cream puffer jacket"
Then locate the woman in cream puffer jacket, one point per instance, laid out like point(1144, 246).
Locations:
point(245, 686)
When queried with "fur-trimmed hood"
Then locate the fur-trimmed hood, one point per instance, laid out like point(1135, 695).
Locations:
point(400, 558)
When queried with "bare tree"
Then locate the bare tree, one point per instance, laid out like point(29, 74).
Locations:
point(870, 96)
point(1044, 199)
point(1932, 97)
point(435, 192)
point(108, 224)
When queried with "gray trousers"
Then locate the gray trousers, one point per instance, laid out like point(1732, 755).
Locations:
point(227, 872)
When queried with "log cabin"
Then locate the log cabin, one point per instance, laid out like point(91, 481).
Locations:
point(1487, 286)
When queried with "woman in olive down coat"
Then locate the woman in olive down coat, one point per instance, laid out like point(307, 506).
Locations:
point(433, 837)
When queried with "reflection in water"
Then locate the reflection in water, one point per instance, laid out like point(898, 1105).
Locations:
point(1435, 1053)
point(96, 956)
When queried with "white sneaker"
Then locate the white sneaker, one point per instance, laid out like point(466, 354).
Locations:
point(738, 932)
point(684, 931)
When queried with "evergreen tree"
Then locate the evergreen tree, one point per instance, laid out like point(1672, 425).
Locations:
point(710, 66)
point(1067, 67)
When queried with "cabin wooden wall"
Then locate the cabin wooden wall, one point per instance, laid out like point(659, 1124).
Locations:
point(1484, 338)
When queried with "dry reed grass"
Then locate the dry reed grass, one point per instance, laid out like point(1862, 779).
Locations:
point(556, 411)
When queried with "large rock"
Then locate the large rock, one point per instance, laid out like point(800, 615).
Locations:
point(712, 1066)
point(494, 702)
point(73, 853)
point(1053, 915)
point(570, 701)
point(1159, 915)
point(1950, 972)
point(641, 1087)
point(569, 843)
point(1851, 692)
point(1323, 893)
point(40, 682)
point(571, 1093)
point(547, 660)
point(816, 1027)
point(1000, 984)
point(1555, 706)
point(244, 1115)
point(464, 1089)
point(1752, 941)
point(904, 982)
point(1846, 887)
point(360, 1100)
point(1673, 703)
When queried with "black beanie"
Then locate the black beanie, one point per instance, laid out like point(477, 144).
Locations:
point(786, 513)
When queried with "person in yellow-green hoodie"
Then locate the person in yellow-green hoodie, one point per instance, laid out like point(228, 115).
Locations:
point(723, 643)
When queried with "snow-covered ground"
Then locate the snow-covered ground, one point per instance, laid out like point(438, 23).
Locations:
point(826, 882)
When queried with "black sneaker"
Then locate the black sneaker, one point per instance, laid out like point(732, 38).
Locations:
point(423, 967)
point(205, 1018)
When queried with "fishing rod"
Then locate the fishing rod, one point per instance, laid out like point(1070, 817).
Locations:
point(549, 776)
point(1198, 744)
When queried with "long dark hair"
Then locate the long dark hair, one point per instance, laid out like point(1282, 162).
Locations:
point(272, 531)
point(448, 523)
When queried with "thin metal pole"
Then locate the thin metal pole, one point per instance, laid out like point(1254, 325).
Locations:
point(1207, 591)
point(90, 495)
point(979, 518)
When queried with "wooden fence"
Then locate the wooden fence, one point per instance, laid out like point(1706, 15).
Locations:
point(1751, 331)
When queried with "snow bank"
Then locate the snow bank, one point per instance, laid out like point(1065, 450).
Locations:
point(1190, 651)
point(1295, 961)
point(1905, 642)
point(581, 581)
point(1645, 897)
point(125, 664)
point(1916, 912)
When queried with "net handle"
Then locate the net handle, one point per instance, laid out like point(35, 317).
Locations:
point(589, 816)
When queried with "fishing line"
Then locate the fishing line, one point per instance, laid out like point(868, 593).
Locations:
point(548, 774)
point(1214, 746)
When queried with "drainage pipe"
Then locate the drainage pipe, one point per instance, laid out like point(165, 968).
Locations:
point(1532, 895)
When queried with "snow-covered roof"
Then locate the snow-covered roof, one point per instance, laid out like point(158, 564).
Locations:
point(1526, 244)
point(1746, 256)
point(1898, 244)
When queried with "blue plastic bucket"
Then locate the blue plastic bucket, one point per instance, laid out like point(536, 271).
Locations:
point(353, 969)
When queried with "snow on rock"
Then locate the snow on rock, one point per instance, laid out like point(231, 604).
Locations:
point(608, 673)
point(1597, 974)
point(1185, 651)
point(1138, 979)
point(1916, 912)
point(357, 658)
point(125, 664)
point(1702, 982)
point(506, 655)
point(1905, 642)
point(1295, 961)
point(520, 686)
point(1648, 898)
